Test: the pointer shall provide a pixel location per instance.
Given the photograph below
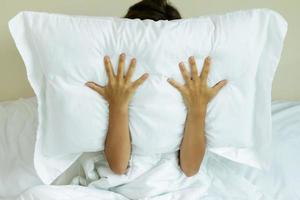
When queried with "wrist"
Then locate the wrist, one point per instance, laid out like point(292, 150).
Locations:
point(120, 108)
point(197, 110)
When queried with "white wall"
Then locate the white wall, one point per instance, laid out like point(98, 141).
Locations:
point(13, 82)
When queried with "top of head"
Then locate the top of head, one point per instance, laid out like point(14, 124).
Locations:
point(154, 10)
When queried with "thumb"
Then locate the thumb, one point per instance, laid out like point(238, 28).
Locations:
point(219, 86)
point(95, 87)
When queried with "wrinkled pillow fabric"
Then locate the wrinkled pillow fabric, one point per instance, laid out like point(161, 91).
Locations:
point(63, 52)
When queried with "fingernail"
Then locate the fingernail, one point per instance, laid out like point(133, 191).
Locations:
point(122, 55)
point(133, 60)
point(170, 79)
point(208, 59)
point(145, 76)
point(106, 58)
point(181, 64)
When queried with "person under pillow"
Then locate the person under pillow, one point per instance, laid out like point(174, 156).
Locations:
point(120, 89)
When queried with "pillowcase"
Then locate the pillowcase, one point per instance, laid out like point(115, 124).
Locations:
point(18, 124)
point(63, 52)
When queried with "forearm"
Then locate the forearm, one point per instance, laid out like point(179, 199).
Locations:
point(118, 93)
point(117, 144)
point(192, 148)
point(196, 95)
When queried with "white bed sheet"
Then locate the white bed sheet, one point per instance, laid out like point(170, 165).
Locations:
point(18, 122)
point(280, 182)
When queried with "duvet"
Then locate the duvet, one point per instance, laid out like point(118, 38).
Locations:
point(158, 177)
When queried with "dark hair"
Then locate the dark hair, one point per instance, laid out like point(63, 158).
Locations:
point(153, 9)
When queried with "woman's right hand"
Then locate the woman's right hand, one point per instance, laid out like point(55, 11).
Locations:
point(119, 89)
point(118, 93)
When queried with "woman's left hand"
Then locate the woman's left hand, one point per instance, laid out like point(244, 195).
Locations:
point(196, 95)
point(195, 91)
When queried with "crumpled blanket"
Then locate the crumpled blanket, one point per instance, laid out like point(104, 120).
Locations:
point(160, 177)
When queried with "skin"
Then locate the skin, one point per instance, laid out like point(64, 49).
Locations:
point(196, 95)
point(118, 93)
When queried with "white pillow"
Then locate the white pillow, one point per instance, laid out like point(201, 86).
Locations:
point(63, 52)
point(18, 123)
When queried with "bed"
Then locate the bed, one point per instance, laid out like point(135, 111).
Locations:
point(281, 181)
